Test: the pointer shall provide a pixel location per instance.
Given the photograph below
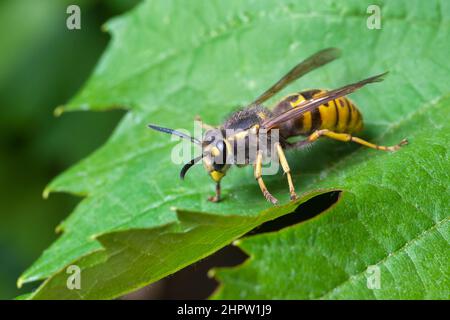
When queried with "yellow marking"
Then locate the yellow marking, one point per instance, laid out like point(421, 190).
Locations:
point(217, 175)
point(215, 152)
point(328, 116)
point(343, 116)
point(262, 115)
point(307, 122)
point(331, 106)
point(239, 135)
point(319, 93)
point(299, 100)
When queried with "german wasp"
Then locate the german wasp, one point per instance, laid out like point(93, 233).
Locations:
point(311, 114)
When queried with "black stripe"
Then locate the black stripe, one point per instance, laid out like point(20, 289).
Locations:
point(316, 119)
point(337, 115)
point(308, 94)
point(293, 97)
point(350, 113)
point(299, 123)
point(358, 117)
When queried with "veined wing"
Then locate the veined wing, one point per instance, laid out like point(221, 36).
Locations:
point(315, 102)
point(313, 62)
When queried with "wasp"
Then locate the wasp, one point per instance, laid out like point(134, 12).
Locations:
point(311, 114)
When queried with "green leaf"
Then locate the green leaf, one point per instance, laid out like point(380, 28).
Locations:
point(168, 61)
point(133, 258)
point(393, 216)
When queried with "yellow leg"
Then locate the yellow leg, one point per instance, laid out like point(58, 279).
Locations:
point(345, 137)
point(258, 177)
point(286, 170)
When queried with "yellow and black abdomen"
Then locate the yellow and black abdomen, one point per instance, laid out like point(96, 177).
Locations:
point(339, 115)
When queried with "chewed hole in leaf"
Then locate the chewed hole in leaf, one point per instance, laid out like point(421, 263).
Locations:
point(200, 275)
point(192, 282)
point(303, 212)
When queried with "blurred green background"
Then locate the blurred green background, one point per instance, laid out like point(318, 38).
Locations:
point(42, 65)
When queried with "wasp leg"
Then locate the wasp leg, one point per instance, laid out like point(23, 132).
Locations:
point(345, 137)
point(216, 197)
point(258, 177)
point(204, 125)
point(286, 170)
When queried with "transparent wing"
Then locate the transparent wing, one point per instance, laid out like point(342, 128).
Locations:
point(318, 100)
point(316, 60)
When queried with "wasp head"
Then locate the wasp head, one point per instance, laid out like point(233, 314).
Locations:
point(215, 151)
point(215, 154)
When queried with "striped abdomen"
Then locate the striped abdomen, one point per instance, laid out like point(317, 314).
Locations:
point(338, 115)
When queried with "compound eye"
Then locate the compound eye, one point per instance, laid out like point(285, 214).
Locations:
point(211, 136)
point(221, 146)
